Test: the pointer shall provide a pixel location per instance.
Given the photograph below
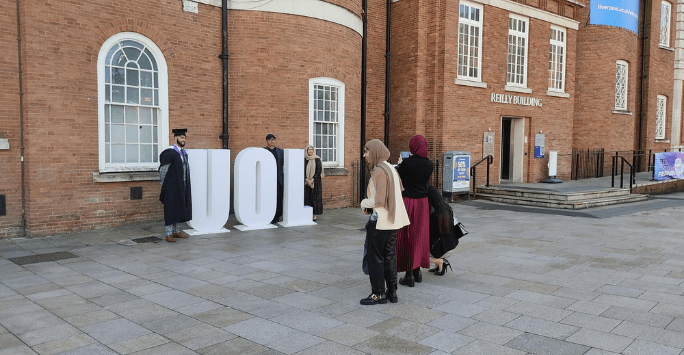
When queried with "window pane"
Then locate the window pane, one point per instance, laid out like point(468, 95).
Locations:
point(131, 134)
point(118, 76)
point(144, 63)
point(107, 134)
point(119, 60)
point(118, 93)
point(146, 79)
point(132, 77)
point(131, 114)
point(107, 75)
point(133, 95)
point(156, 80)
point(146, 97)
point(154, 63)
point(146, 134)
point(145, 115)
point(131, 153)
point(154, 116)
point(155, 135)
point(155, 155)
point(117, 133)
point(132, 53)
point(117, 114)
point(145, 153)
point(107, 158)
point(156, 97)
point(107, 93)
point(132, 44)
point(118, 153)
point(110, 54)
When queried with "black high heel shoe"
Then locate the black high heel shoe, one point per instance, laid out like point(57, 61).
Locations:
point(445, 263)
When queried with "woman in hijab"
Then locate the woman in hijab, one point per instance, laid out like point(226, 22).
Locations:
point(443, 238)
point(387, 214)
point(313, 190)
point(413, 241)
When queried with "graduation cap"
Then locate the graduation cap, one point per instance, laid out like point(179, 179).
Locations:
point(179, 131)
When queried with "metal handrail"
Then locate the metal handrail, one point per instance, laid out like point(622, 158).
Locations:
point(632, 172)
point(473, 171)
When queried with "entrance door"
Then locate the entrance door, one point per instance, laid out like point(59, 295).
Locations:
point(506, 149)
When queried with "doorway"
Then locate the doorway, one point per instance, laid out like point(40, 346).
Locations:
point(512, 149)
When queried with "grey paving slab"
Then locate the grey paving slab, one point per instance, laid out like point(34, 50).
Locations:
point(635, 316)
point(405, 329)
point(172, 299)
point(64, 344)
point(364, 317)
point(166, 349)
point(589, 321)
point(348, 334)
point(387, 345)
point(539, 311)
point(542, 327)
point(30, 321)
point(452, 323)
point(222, 317)
point(640, 347)
point(235, 346)
point(650, 334)
point(114, 331)
point(540, 345)
point(47, 334)
point(308, 322)
point(414, 313)
point(588, 307)
point(260, 331)
point(296, 342)
point(330, 348)
point(447, 341)
point(200, 336)
point(19, 350)
point(481, 347)
point(171, 324)
point(601, 340)
point(490, 332)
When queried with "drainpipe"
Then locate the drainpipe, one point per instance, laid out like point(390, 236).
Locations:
point(21, 127)
point(364, 49)
point(644, 75)
point(677, 92)
point(387, 72)
point(224, 59)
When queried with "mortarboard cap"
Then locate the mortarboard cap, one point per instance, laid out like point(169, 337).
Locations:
point(179, 131)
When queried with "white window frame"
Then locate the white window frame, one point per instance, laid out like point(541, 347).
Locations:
point(665, 20)
point(555, 68)
point(163, 116)
point(339, 162)
point(472, 24)
point(621, 85)
point(517, 34)
point(661, 116)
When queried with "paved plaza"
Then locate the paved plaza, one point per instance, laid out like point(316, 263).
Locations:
point(525, 281)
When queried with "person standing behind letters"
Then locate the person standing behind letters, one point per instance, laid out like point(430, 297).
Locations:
point(279, 156)
point(313, 190)
point(174, 174)
point(387, 216)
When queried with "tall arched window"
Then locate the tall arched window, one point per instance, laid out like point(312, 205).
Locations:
point(132, 103)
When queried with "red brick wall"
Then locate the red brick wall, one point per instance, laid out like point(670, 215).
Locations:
point(598, 49)
point(9, 120)
point(272, 57)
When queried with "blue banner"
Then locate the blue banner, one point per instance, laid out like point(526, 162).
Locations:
point(618, 13)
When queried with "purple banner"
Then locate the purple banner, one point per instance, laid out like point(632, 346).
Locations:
point(669, 166)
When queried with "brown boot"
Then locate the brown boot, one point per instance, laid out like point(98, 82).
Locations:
point(169, 238)
point(179, 235)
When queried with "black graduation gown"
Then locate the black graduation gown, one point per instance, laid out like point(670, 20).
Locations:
point(176, 196)
point(314, 196)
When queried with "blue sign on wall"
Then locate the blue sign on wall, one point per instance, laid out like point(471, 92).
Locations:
point(618, 13)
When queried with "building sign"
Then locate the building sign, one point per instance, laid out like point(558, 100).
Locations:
point(516, 100)
point(488, 144)
point(539, 146)
point(461, 172)
point(617, 13)
point(669, 165)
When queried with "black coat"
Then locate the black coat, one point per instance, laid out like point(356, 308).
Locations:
point(280, 161)
point(442, 243)
point(314, 196)
point(415, 173)
point(176, 196)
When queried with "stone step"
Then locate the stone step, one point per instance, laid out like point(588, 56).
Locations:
point(563, 204)
point(552, 195)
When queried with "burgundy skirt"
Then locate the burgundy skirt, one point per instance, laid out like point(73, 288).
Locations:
point(413, 241)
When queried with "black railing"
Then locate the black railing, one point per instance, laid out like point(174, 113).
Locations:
point(473, 173)
point(632, 172)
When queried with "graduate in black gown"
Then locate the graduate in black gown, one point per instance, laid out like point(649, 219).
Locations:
point(174, 173)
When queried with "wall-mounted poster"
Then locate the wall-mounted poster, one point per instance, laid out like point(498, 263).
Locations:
point(618, 13)
point(461, 172)
point(669, 165)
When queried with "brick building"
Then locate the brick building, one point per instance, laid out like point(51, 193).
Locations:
point(102, 83)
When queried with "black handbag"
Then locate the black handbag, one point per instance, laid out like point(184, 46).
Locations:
point(460, 230)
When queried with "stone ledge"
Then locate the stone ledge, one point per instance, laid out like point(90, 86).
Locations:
point(557, 94)
point(622, 112)
point(126, 176)
point(335, 171)
point(475, 84)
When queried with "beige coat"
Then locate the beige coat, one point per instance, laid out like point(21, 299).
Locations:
point(401, 217)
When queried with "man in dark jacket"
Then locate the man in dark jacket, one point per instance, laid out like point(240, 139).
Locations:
point(174, 173)
point(279, 156)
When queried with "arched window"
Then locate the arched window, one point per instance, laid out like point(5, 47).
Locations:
point(132, 103)
point(326, 120)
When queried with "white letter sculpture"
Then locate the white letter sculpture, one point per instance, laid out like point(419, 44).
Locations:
point(294, 211)
point(210, 179)
point(256, 193)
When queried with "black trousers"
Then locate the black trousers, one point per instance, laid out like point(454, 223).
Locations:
point(279, 204)
point(382, 258)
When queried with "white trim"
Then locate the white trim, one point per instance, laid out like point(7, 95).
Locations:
point(523, 90)
point(317, 9)
point(532, 12)
point(340, 120)
point(518, 34)
point(163, 130)
point(664, 36)
point(471, 24)
point(661, 117)
point(626, 79)
point(564, 45)
point(476, 84)
point(557, 94)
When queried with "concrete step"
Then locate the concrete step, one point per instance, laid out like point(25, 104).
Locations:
point(563, 204)
point(552, 195)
